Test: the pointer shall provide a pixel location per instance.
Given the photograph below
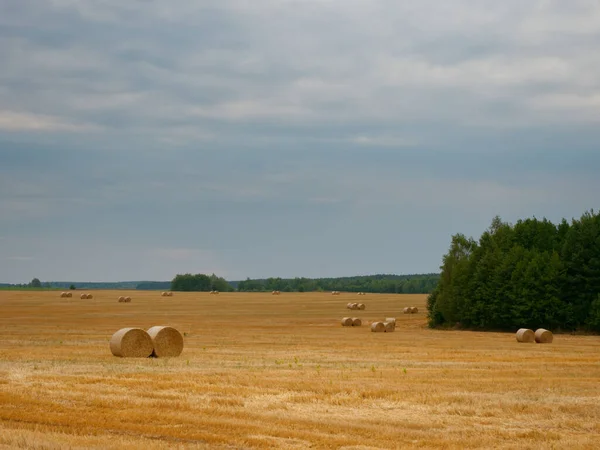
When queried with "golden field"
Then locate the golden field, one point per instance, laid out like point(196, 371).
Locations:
point(263, 371)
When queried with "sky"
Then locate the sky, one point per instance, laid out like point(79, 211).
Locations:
point(254, 138)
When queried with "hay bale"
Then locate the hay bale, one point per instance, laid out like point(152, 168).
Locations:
point(378, 327)
point(131, 343)
point(349, 306)
point(167, 341)
point(127, 299)
point(121, 299)
point(361, 306)
point(347, 322)
point(390, 319)
point(63, 295)
point(407, 310)
point(169, 294)
point(356, 322)
point(389, 326)
point(543, 336)
point(163, 294)
point(525, 335)
point(69, 294)
point(83, 296)
point(90, 296)
point(414, 310)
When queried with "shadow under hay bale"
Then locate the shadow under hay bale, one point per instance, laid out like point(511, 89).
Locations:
point(167, 341)
point(543, 336)
point(131, 343)
point(525, 335)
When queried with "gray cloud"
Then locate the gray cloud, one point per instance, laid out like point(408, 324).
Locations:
point(257, 135)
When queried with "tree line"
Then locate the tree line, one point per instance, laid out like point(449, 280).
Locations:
point(396, 284)
point(531, 274)
point(200, 282)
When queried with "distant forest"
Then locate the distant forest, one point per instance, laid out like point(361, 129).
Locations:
point(399, 284)
point(531, 274)
point(408, 284)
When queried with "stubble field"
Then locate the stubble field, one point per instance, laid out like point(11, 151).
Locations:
point(263, 371)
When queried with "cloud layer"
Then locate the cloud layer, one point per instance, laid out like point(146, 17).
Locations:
point(315, 138)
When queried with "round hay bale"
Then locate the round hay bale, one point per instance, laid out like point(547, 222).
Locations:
point(414, 310)
point(163, 294)
point(69, 294)
point(90, 296)
point(390, 319)
point(361, 306)
point(127, 299)
point(83, 296)
point(543, 336)
point(354, 306)
point(377, 327)
point(389, 326)
point(63, 295)
point(407, 310)
point(169, 294)
point(121, 299)
point(356, 322)
point(349, 306)
point(347, 322)
point(131, 343)
point(525, 335)
point(167, 341)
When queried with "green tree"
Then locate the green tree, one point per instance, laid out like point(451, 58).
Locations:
point(35, 283)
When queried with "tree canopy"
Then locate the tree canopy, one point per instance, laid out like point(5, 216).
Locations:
point(531, 274)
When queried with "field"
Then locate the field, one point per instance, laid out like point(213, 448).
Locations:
point(263, 371)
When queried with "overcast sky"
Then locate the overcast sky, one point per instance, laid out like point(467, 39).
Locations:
point(254, 138)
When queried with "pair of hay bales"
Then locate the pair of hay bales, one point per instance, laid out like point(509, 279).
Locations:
point(541, 336)
point(335, 292)
point(86, 296)
point(387, 326)
point(158, 341)
point(351, 322)
point(124, 299)
point(167, 294)
point(214, 292)
point(410, 310)
point(275, 293)
point(66, 295)
point(360, 306)
point(361, 293)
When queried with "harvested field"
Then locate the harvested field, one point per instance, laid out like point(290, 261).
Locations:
point(287, 375)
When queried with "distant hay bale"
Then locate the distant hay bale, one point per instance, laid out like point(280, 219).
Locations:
point(543, 336)
point(414, 310)
point(390, 319)
point(83, 296)
point(407, 310)
point(354, 306)
point(349, 306)
point(90, 296)
point(127, 299)
point(360, 306)
point(164, 294)
point(167, 341)
point(63, 295)
point(121, 299)
point(525, 335)
point(131, 343)
point(347, 322)
point(378, 327)
point(69, 294)
point(169, 294)
point(389, 326)
point(356, 322)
